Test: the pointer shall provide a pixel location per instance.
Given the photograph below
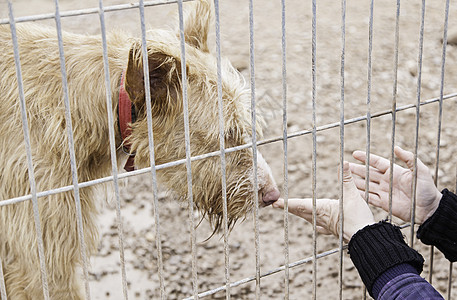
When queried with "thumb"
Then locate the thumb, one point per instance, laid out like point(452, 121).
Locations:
point(350, 190)
point(405, 156)
point(348, 181)
point(347, 175)
point(357, 214)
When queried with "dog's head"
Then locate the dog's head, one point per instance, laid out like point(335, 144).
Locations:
point(165, 77)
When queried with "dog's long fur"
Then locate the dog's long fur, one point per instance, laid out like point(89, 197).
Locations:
point(42, 80)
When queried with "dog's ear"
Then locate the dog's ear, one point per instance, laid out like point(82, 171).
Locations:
point(197, 19)
point(164, 71)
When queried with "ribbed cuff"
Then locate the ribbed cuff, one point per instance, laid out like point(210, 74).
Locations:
point(440, 229)
point(376, 248)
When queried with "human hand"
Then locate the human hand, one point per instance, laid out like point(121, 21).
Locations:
point(427, 195)
point(357, 214)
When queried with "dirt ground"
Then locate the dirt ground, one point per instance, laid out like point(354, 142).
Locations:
point(137, 212)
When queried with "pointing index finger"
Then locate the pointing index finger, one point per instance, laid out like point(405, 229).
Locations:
point(302, 207)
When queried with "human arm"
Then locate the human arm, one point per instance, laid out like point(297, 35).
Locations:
point(403, 282)
point(387, 265)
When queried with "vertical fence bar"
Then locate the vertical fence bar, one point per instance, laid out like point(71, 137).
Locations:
point(416, 138)
point(369, 75)
point(368, 136)
point(314, 154)
point(449, 285)
point(440, 110)
point(284, 140)
point(147, 89)
point(254, 148)
point(31, 172)
point(222, 149)
point(188, 155)
point(2, 283)
point(112, 142)
point(341, 212)
point(394, 107)
point(443, 62)
point(71, 146)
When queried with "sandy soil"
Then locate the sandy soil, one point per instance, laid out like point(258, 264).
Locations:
point(141, 255)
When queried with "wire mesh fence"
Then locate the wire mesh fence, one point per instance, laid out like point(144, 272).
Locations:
point(364, 114)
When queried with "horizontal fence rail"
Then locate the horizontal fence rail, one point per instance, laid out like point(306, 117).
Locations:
point(90, 11)
point(279, 269)
point(227, 150)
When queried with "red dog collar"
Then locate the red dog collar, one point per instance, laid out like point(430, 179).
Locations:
point(126, 116)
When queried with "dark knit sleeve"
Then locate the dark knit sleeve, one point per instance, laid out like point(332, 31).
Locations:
point(440, 230)
point(378, 247)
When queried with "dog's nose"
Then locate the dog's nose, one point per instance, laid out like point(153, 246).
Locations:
point(270, 196)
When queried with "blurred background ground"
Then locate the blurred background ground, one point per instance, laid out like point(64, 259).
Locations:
point(141, 255)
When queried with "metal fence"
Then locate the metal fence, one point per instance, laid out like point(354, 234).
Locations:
point(116, 176)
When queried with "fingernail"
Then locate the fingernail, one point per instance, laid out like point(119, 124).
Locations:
point(346, 166)
point(277, 204)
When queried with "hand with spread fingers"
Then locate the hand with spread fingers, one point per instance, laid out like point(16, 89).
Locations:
point(357, 214)
point(427, 195)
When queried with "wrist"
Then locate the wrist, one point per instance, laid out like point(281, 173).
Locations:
point(351, 230)
point(439, 230)
point(434, 205)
